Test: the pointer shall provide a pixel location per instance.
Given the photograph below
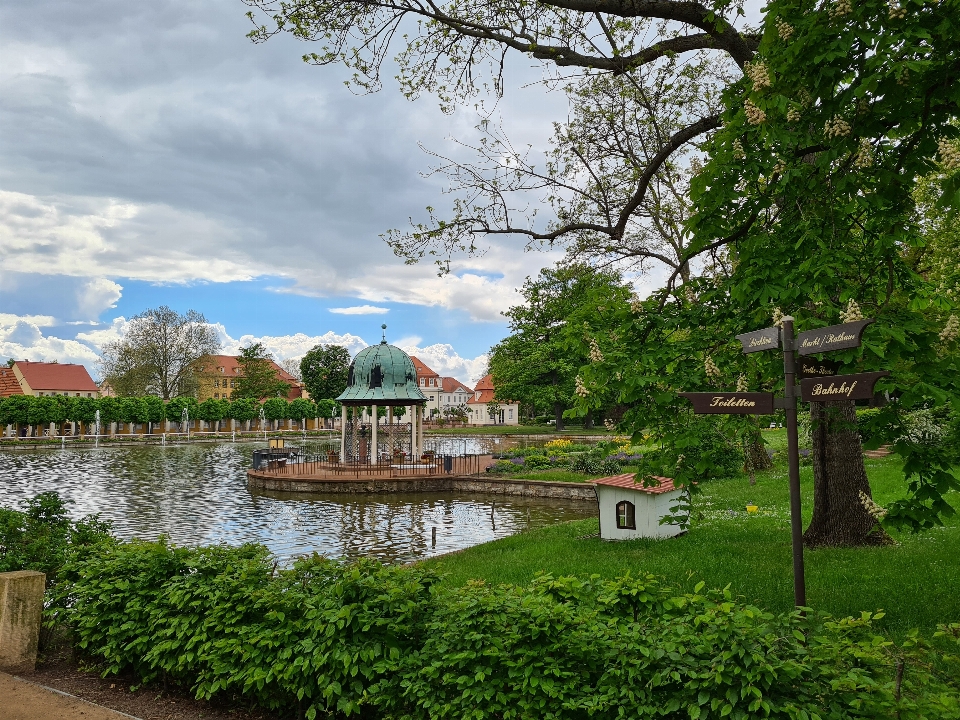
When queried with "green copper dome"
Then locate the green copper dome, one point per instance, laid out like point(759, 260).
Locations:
point(382, 375)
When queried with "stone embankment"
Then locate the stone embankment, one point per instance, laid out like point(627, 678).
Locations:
point(443, 483)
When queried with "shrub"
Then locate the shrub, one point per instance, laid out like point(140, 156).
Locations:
point(328, 638)
point(42, 535)
point(595, 464)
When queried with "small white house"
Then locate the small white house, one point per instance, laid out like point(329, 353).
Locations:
point(629, 510)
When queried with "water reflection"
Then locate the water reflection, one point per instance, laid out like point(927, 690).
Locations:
point(198, 494)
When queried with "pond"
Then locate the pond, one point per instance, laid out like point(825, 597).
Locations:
point(197, 494)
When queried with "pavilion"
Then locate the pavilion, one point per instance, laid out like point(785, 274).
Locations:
point(380, 376)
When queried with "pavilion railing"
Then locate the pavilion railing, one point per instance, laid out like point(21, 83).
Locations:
point(328, 465)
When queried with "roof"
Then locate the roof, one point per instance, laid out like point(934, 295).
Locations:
point(627, 481)
point(232, 367)
point(453, 385)
point(382, 374)
point(421, 368)
point(9, 385)
point(56, 376)
point(485, 383)
point(485, 396)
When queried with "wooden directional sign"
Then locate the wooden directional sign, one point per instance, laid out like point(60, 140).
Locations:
point(758, 340)
point(840, 387)
point(835, 337)
point(809, 367)
point(730, 403)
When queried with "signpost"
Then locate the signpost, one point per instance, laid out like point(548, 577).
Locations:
point(819, 383)
point(812, 368)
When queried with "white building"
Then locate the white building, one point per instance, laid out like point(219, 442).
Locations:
point(628, 510)
point(484, 409)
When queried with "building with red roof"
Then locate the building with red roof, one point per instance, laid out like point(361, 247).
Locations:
point(218, 375)
point(47, 379)
point(442, 393)
point(483, 407)
point(631, 509)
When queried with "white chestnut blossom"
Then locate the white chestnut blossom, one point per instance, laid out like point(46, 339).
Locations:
point(841, 8)
point(949, 155)
point(742, 383)
point(710, 367)
point(793, 115)
point(836, 127)
point(875, 511)
point(738, 152)
point(784, 29)
point(778, 317)
point(579, 388)
point(755, 115)
point(951, 331)
point(758, 74)
point(595, 354)
point(852, 313)
point(897, 11)
point(864, 155)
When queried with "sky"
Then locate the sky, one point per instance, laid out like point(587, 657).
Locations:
point(150, 155)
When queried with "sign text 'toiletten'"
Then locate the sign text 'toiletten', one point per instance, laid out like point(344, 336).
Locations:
point(730, 403)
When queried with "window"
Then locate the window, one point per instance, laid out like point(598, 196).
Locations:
point(216, 383)
point(431, 397)
point(511, 414)
point(231, 382)
point(626, 517)
point(216, 396)
point(423, 382)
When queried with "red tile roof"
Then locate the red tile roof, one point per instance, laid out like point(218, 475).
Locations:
point(627, 481)
point(422, 369)
point(483, 398)
point(451, 385)
point(56, 376)
point(8, 383)
point(232, 367)
point(485, 383)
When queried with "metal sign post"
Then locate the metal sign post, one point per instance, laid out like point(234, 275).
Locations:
point(793, 461)
point(819, 383)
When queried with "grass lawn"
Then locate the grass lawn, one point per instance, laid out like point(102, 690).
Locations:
point(917, 582)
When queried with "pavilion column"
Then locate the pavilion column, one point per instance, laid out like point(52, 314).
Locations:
point(343, 433)
point(420, 409)
point(413, 429)
point(375, 421)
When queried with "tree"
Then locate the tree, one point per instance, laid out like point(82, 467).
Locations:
point(175, 408)
point(244, 409)
point(276, 408)
point(258, 377)
point(301, 409)
point(84, 409)
point(158, 354)
point(535, 364)
point(643, 82)
point(817, 165)
point(324, 370)
point(213, 410)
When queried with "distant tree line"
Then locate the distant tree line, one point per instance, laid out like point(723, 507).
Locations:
point(29, 410)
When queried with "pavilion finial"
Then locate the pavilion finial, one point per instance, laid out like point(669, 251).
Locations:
point(384, 328)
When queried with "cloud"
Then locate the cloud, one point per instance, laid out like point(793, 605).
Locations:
point(360, 310)
point(24, 340)
point(444, 360)
point(156, 143)
point(283, 347)
point(9, 320)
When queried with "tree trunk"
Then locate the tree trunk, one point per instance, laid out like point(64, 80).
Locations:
point(558, 415)
point(839, 517)
point(755, 452)
point(588, 420)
